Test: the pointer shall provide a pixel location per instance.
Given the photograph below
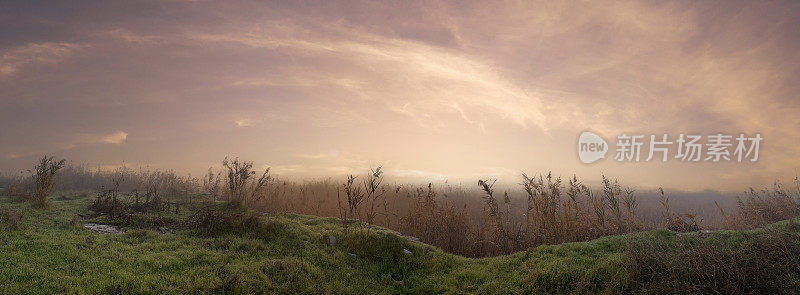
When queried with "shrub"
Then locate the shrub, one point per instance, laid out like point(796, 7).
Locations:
point(107, 204)
point(241, 186)
point(44, 179)
point(218, 219)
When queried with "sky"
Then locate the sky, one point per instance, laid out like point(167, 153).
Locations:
point(429, 90)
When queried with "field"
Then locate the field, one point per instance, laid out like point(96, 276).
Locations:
point(49, 251)
point(243, 231)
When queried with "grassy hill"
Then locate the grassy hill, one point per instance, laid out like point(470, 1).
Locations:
point(51, 252)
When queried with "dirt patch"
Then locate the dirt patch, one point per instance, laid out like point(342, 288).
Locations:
point(105, 229)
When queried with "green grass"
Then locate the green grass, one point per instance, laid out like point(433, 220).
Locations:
point(50, 254)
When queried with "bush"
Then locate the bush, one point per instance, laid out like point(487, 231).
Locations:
point(218, 219)
point(108, 205)
point(44, 179)
point(242, 187)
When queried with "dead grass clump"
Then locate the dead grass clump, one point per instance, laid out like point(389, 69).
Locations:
point(673, 221)
point(108, 203)
point(370, 189)
point(14, 219)
point(759, 208)
point(153, 199)
point(211, 184)
point(506, 234)
point(45, 179)
point(493, 223)
point(555, 214)
point(105, 204)
point(767, 264)
point(16, 190)
point(438, 223)
point(373, 191)
point(355, 196)
point(163, 194)
point(218, 219)
point(242, 187)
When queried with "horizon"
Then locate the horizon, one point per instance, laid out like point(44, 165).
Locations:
point(509, 184)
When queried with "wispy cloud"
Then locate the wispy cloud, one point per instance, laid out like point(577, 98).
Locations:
point(115, 138)
point(18, 57)
point(432, 77)
point(243, 123)
point(80, 139)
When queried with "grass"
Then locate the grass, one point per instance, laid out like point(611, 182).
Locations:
point(50, 253)
point(468, 220)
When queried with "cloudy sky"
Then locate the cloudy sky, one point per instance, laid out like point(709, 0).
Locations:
point(431, 90)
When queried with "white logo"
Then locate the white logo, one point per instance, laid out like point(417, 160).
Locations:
point(591, 147)
point(690, 148)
